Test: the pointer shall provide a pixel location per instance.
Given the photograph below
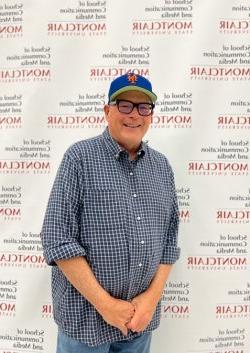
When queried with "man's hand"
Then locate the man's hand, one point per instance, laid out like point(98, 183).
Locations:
point(145, 305)
point(117, 313)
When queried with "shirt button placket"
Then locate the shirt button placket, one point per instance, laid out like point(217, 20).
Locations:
point(138, 261)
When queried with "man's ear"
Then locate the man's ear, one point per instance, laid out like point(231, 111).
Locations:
point(106, 110)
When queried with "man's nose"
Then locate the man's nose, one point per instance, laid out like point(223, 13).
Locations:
point(134, 114)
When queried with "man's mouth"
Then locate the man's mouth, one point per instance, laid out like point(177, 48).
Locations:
point(131, 126)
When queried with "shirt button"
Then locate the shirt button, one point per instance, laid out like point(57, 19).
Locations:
point(134, 195)
point(131, 173)
point(138, 218)
point(142, 242)
point(140, 264)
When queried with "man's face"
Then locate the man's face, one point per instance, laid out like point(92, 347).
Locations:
point(128, 129)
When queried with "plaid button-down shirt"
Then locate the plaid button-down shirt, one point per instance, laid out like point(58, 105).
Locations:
point(122, 215)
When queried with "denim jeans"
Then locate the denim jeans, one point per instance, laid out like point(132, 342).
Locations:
point(140, 344)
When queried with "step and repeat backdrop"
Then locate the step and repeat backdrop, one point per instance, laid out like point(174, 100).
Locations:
point(57, 61)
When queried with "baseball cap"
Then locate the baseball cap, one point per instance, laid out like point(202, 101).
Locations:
point(131, 82)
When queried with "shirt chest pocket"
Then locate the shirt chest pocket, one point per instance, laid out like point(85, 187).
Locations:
point(104, 209)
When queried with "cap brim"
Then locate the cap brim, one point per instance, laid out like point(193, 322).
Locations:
point(151, 95)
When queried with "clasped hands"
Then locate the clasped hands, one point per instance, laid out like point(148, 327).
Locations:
point(134, 315)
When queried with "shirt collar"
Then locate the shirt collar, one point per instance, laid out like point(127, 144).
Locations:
point(115, 149)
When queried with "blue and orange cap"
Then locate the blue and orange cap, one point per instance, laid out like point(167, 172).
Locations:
point(131, 82)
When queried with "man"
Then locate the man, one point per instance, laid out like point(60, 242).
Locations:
point(110, 230)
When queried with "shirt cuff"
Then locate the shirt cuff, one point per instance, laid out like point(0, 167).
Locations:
point(63, 251)
point(170, 254)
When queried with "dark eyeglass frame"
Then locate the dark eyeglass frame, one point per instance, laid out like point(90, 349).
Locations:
point(133, 105)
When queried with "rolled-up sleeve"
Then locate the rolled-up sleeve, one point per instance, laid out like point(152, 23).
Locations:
point(60, 231)
point(171, 251)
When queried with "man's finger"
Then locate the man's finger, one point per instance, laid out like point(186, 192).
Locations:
point(132, 324)
point(124, 330)
point(128, 325)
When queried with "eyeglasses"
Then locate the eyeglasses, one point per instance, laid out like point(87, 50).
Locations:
point(126, 107)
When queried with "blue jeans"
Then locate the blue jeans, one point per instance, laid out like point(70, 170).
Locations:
point(140, 344)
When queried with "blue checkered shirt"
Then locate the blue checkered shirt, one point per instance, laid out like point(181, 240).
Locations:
point(122, 216)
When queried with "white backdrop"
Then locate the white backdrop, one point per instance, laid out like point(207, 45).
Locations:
point(57, 60)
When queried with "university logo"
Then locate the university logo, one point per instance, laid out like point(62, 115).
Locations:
point(212, 263)
point(7, 309)
point(11, 259)
point(47, 311)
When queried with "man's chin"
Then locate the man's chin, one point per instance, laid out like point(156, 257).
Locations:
point(136, 132)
